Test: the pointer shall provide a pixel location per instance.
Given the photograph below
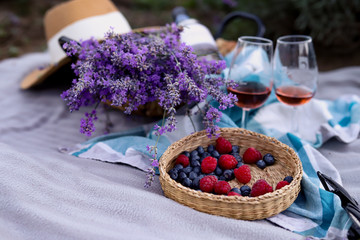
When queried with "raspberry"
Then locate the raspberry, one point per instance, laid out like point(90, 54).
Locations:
point(227, 161)
point(208, 165)
point(260, 187)
point(222, 187)
point(183, 160)
point(207, 183)
point(269, 189)
point(243, 174)
point(281, 184)
point(223, 146)
point(233, 194)
point(251, 155)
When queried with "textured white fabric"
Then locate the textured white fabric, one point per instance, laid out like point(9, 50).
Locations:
point(46, 194)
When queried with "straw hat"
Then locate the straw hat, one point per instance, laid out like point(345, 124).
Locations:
point(76, 19)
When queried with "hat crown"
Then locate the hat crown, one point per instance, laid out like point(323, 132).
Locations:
point(81, 20)
point(77, 20)
point(67, 13)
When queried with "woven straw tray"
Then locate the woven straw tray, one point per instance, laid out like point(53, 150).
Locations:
point(247, 208)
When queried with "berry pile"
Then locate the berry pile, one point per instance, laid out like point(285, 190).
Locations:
point(210, 170)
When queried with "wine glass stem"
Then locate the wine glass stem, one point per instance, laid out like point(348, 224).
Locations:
point(243, 118)
point(295, 121)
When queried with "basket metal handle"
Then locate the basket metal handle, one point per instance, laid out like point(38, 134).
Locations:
point(239, 14)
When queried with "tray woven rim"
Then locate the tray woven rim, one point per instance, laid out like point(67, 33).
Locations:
point(271, 203)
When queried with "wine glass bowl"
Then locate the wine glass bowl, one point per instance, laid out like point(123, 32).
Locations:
point(251, 73)
point(295, 72)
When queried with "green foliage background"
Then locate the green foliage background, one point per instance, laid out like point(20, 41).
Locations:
point(333, 24)
point(329, 22)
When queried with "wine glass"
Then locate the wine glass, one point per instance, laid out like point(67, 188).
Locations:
point(295, 73)
point(251, 71)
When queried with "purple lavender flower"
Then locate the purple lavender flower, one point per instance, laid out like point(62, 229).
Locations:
point(132, 69)
point(150, 173)
point(87, 124)
point(213, 115)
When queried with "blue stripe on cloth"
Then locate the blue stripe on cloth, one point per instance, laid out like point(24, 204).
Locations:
point(85, 149)
point(344, 112)
point(138, 131)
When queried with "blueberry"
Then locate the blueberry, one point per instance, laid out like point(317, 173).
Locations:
point(186, 153)
point(204, 155)
point(200, 150)
point(173, 174)
point(239, 164)
point(288, 179)
point(194, 153)
point(181, 176)
point(192, 175)
point(237, 190)
point(245, 190)
point(229, 175)
point(210, 148)
point(215, 154)
point(269, 159)
point(178, 167)
point(235, 149)
point(195, 163)
point(238, 158)
point(222, 178)
point(187, 170)
point(196, 183)
point(197, 169)
point(261, 164)
point(218, 171)
point(186, 182)
point(195, 158)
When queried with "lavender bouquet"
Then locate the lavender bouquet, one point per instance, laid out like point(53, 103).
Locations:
point(136, 68)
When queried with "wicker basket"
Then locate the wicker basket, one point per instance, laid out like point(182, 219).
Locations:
point(248, 208)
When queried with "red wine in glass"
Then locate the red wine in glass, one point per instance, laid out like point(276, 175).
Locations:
point(251, 72)
point(250, 94)
point(294, 95)
point(296, 73)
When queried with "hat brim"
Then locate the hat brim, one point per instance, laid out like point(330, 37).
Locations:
point(38, 76)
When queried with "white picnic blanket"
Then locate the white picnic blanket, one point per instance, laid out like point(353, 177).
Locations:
point(46, 194)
